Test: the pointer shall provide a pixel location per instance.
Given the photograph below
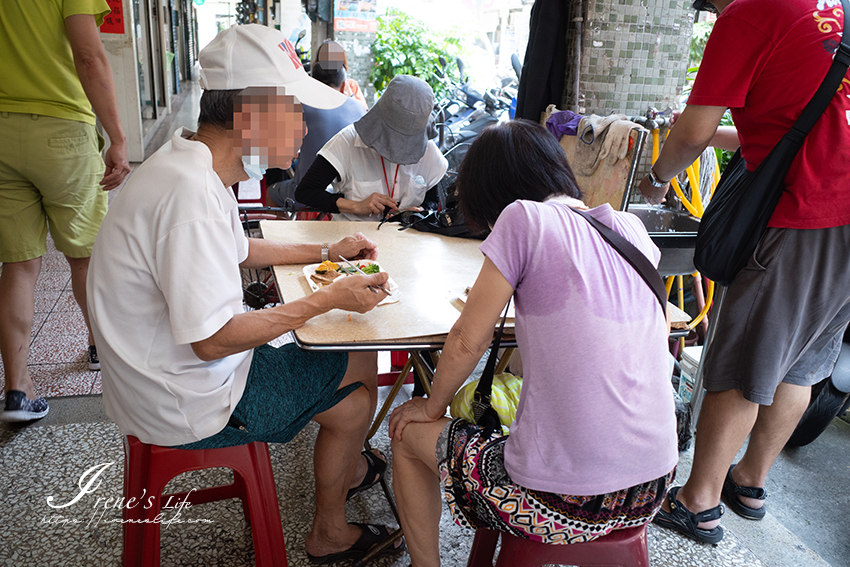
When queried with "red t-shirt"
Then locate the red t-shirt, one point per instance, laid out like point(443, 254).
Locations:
point(765, 60)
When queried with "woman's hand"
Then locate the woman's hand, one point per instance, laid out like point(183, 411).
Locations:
point(374, 204)
point(412, 411)
point(354, 247)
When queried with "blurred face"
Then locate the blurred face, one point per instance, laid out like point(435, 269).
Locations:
point(268, 127)
point(331, 56)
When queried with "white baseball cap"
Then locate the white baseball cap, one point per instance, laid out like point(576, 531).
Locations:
point(259, 56)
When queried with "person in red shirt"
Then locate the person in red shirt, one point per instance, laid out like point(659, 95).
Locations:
point(783, 317)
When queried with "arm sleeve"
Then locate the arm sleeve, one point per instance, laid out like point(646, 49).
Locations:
point(735, 56)
point(98, 8)
point(437, 165)
point(311, 190)
point(507, 246)
point(198, 274)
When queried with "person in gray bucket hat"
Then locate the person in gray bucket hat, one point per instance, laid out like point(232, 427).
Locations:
point(385, 161)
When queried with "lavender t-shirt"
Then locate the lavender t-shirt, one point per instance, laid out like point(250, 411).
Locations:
point(596, 412)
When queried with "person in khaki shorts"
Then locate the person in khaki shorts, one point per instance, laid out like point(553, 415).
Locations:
point(54, 80)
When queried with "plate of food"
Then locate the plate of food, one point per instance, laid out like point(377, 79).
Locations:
point(320, 275)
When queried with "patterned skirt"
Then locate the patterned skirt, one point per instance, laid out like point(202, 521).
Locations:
point(480, 494)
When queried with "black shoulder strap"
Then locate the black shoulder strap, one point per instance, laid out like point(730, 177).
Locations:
point(633, 256)
point(481, 398)
point(826, 91)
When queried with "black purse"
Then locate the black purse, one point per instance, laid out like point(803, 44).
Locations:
point(743, 202)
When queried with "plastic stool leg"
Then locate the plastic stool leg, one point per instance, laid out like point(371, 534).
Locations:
point(483, 548)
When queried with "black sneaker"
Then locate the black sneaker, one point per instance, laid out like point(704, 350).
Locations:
point(94, 361)
point(20, 408)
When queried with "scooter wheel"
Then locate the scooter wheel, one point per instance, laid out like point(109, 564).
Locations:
point(825, 406)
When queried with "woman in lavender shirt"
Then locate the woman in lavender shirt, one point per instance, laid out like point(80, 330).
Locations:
point(593, 446)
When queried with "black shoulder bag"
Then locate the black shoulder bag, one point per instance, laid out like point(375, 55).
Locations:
point(484, 414)
point(744, 201)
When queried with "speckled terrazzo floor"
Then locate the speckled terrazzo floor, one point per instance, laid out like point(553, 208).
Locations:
point(43, 461)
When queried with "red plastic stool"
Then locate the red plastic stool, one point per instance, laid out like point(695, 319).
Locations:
point(622, 548)
point(148, 468)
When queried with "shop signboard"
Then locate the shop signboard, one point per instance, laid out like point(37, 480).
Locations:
point(356, 15)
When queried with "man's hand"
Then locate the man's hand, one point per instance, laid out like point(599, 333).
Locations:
point(354, 247)
point(651, 194)
point(117, 166)
point(353, 293)
point(412, 411)
point(374, 204)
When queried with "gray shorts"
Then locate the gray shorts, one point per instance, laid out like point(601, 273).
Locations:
point(784, 315)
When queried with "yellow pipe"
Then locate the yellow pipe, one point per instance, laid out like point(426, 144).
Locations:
point(716, 178)
point(709, 299)
point(669, 285)
point(687, 204)
point(693, 179)
point(655, 143)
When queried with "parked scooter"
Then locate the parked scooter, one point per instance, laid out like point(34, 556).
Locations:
point(830, 398)
point(466, 112)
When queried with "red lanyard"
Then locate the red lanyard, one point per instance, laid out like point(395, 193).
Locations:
point(390, 191)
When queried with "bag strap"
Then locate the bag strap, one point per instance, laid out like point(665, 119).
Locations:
point(820, 101)
point(481, 399)
point(633, 256)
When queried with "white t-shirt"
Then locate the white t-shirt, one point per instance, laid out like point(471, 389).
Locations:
point(362, 173)
point(164, 273)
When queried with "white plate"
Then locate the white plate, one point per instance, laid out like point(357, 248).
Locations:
point(394, 289)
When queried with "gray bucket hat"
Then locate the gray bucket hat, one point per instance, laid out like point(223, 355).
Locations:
point(399, 125)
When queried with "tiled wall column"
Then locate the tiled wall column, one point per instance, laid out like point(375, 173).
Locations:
point(634, 54)
point(361, 59)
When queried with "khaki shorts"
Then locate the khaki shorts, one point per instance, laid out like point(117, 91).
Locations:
point(50, 170)
point(784, 314)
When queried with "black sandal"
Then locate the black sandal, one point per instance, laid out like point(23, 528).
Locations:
point(372, 535)
point(685, 522)
point(375, 468)
point(732, 491)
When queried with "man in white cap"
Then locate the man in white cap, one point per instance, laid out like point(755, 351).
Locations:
point(183, 364)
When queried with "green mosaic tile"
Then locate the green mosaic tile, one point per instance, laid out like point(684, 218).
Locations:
point(612, 17)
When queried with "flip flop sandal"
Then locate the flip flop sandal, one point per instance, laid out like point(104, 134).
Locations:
point(685, 522)
point(371, 536)
point(732, 491)
point(375, 468)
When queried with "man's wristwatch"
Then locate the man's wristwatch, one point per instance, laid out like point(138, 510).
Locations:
point(325, 249)
point(653, 179)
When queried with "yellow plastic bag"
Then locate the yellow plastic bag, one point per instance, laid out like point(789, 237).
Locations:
point(504, 397)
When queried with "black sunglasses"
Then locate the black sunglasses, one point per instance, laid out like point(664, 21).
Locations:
point(705, 6)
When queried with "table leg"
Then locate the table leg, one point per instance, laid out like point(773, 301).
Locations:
point(699, 392)
point(423, 370)
point(503, 362)
point(389, 401)
point(378, 549)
